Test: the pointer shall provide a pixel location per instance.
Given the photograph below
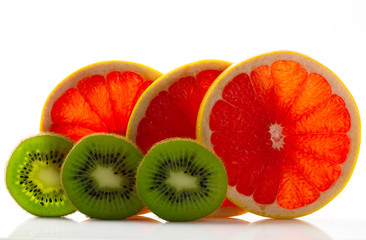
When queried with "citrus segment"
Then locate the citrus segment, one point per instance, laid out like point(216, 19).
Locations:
point(97, 98)
point(240, 86)
point(320, 172)
point(122, 89)
point(174, 120)
point(187, 98)
point(331, 147)
point(72, 131)
point(314, 91)
point(267, 184)
point(140, 91)
point(287, 131)
point(153, 133)
point(205, 79)
point(294, 190)
point(288, 77)
point(71, 108)
point(95, 92)
point(332, 111)
point(264, 89)
point(169, 109)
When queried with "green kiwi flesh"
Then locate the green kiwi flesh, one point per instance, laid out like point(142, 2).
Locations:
point(33, 175)
point(99, 177)
point(180, 180)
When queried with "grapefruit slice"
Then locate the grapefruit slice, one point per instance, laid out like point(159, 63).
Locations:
point(287, 130)
point(97, 98)
point(170, 106)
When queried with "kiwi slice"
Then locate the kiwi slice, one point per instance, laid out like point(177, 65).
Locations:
point(180, 180)
point(99, 177)
point(33, 175)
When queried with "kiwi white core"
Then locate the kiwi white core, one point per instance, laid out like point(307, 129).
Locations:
point(181, 181)
point(49, 176)
point(106, 177)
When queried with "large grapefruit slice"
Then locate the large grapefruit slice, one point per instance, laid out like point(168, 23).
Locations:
point(287, 130)
point(97, 98)
point(169, 109)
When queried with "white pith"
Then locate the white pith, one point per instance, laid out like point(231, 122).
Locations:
point(215, 93)
point(277, 137)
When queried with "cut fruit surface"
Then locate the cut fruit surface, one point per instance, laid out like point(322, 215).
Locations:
point(180, 180)
point(99, 176)
point(33, 175)
point(287, 130)
point(97, 98)
point(170, 106)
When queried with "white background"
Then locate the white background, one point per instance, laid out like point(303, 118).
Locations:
point(41, 42)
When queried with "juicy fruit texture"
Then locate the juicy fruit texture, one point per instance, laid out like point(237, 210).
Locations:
point(97, 104)
point(33, 175)
point(286, 130)
point(97, 98)
point(99, 177)
point(169, 108)
point(180, 180)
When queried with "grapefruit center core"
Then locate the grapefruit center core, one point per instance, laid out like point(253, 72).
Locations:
point(277, 136)
point(282, 133)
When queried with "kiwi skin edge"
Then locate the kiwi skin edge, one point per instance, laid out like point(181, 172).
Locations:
point(190, 210)
point(111, 134)
point(75, 199)
point(40, 214)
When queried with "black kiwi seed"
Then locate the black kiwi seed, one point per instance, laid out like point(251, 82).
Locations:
point(179, 186)
point(105, 188)
point(32, 176)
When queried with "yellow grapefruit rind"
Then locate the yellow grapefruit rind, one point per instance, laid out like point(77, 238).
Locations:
point(101, 68)
point(215, 92)
point(163, 83)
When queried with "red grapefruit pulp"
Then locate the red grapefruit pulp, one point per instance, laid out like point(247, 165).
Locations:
point(97, 98)
point(169, 109)
point(287, 131)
